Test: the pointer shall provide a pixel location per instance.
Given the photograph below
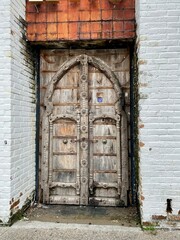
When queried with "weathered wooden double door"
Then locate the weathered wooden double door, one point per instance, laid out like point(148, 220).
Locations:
point(84, 158)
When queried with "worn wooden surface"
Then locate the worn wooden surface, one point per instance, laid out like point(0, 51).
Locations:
point(84, 127)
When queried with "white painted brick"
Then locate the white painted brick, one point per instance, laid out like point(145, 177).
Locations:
point(159, 105)
point(17, 112)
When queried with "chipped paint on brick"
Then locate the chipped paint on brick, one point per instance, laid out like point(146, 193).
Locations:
point(142, 62)
point(172, 217)
point(141, 144)
point(158, 217)
point(14, 205)
point(142, 198)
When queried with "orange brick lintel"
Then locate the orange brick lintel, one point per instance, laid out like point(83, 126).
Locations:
point(80, 20)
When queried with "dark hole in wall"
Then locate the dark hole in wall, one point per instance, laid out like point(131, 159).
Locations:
point(169, 206)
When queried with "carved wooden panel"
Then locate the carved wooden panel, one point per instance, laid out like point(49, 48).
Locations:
point(84, 129)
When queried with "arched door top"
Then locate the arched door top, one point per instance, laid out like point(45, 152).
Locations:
point(82, 59)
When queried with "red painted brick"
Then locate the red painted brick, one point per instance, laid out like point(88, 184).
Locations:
point(62, 31)
point(30, 17)
point(63, 5)
point(31, 28)
point(129, 34)
point(95, 5)
point(106, 14)
point(96, 35)
point(129, 14)
point(42, 7)
point(106, 35)
point(42, 37)
point(118, 26)
point(52, 17)
point(105, 4)
point(52, 36)
point(85, 16)
point(30, 8)
point(41, 18)
point(31, 37)
point(95, 15)
point(51, 7)
point(85, 4)
point(129, 26)
point(51, 28)
point(95, 27)
point(116, 5)
point(73, 14)
point(118, 14)
point(41, 28)
point(128, 3)
point(118, 35)
point(107, 27)
point(74, 4)
point(73, 31)
point(62, 16)
point(82, 19)
point(84, 27)
point(85, 36)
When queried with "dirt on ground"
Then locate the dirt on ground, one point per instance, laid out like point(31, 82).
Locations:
point(84, 215)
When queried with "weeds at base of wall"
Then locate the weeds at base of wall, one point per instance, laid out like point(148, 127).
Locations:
point(150, 229)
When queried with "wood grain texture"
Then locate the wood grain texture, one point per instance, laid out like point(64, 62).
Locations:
point(84, 130)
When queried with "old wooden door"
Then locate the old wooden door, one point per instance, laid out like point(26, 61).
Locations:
point(84, 156)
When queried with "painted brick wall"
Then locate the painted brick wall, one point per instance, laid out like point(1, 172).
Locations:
point(17, 113)
point(158, 42)
point(23, 110)
point(5, 109)
point(80, 20)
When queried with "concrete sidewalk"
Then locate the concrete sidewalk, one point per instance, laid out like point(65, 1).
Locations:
point(27, 230)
